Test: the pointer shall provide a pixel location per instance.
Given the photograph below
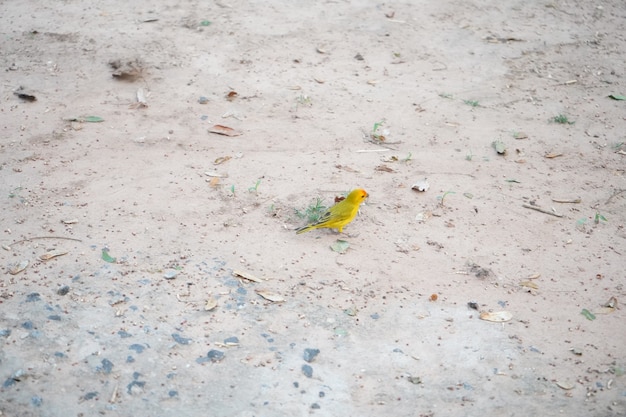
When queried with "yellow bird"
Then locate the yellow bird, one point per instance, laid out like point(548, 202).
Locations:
point(340, 214)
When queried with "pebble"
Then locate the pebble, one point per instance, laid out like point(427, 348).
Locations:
point(137, 347)
point(212, 356)
point(181, 340)
point(32, 297)
point(124, 334)
point(90, 395)
point(315, 406)
point(106, 368)
point(63, 290)
point(36, 401)
point(5, 332)
point(173, 393)
point(28, 325)
point(310, 354)
point(231, 340)
point(54, 317)
point(307, 371)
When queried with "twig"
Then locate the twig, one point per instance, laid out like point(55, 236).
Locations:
point(45, 237)
point(542, 210)
point(565, 200)
point(615, 194)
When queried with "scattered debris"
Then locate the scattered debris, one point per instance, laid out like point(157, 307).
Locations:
point(210, 304)
point(496, 316)
point(224, 130)
point(52, 254)
point(270, 296)
point(246, 275)
point(18, 267)
point(127, 70)
point(20, 92)
point(542, 210)
point(421, 185)
point(499, 146)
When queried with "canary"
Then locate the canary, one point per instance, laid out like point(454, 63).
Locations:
point(340, 214)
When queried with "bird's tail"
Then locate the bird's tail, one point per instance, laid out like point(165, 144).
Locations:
point(304, 229)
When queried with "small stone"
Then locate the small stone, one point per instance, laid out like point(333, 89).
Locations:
point(215, 355)
point(173, 393)
point(63, 290)
point(181, 340)
point(106, 368)
point(32, 297)
point(231, 340)
point(36, 401)
point(322, 394)
point(307, 371)
point(315, 406)
point(137, 347)
point(28, 325)
point(124, 334)
point(296, 384)
point(135, 387)
point(5, 332)
point(310, 354)
point(90, 395)
point(54, 317)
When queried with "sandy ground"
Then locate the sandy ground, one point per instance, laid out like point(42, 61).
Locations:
point(159, 324)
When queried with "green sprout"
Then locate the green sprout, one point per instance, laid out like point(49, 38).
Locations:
point(313, 211)
point(473, 103)
point(561, 119)
point(442, 198)
point(598, 217)
point(255, 187)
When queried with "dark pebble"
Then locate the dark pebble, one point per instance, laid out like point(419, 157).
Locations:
point(5, 332)
point(130, 359)
point(32, 297)
point(322, 394)
point(215, 355)
point(63, 290)
point(139, 384)
point(310, 354)
point(136, 375)
point(296, 384)
point(54, 317)
point(8, 382)
point(124, 334)
point(106, 368)
point(398, 350)
point(375, 316)
point(315, 406)
point(90, 395)
point(59, 354)
point(137, 347)
point(181, 340)
point(173, 393)
point(307, 371)
point(36, 401)
point(28, 325)
point(233, 339)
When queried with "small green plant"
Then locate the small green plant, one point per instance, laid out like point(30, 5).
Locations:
point(442, 198)
point(598, 217)
point(313, 211)
point(15, 192)
point(303, 100)
point(255, 187)
point(375, 131)
point(232, 189)
point(473, 103)
point(408, 158)
point(469, 156)
point(561, 119)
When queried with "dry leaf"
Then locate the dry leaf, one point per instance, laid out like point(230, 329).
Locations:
point(224, 130)
point(553, 155)
point(383, 168)
point(232, 95)
point(270, 296)
point(496, 316)
point(210, 304)
point(19, 267)
point(214, 182)
point(247, 276)
point(221, 160)
point(53, 254)
point(529, 284)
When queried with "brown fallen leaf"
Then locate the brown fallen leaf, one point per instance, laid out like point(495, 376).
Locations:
point(53, 254)
point(246, 275)
point(553, 155)
point(270, 296)
point(383, 168)
point(231, 95)
point(224, 130)
point(17, 268)
point(496, 316)
point(221, 160)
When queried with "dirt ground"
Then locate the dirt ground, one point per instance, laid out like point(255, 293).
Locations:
point(109, 167)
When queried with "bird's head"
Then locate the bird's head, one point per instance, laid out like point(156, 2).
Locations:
point(357, 195)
